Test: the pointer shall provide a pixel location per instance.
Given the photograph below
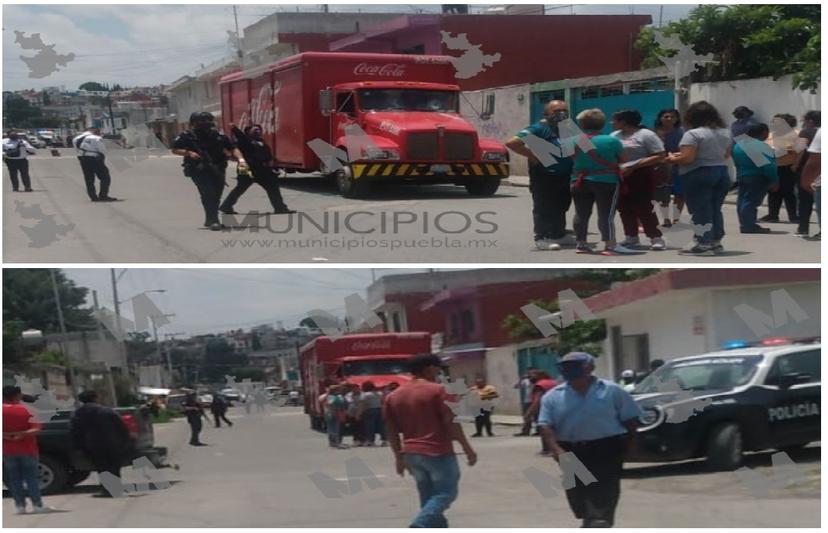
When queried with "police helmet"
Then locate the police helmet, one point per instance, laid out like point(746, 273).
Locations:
point(201, 117)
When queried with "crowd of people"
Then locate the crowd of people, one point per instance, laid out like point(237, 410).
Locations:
point(355, 410)
point(681, 162)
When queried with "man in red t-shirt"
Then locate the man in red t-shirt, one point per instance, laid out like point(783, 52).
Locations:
point(20, 453)
point(419, 412)
point(543, 383)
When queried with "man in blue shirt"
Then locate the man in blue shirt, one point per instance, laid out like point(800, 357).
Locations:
point(549, 184)
point(596, 420)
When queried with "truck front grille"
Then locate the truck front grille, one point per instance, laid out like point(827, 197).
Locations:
point(422, 146)
point(458, 146)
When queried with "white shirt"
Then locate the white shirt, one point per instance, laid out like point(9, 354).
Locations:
point(23, 145)
point(815, 148)
point(92, 145)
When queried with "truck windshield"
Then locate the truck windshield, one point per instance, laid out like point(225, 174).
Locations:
point(408, 100)
point(707, 373)
point(375, 367)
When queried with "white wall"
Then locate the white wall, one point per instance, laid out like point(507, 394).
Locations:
point(764, 96)
point(502, 372)
point(511, 115)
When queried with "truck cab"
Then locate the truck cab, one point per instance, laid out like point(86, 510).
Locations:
point(413, 132)
point(381, 370)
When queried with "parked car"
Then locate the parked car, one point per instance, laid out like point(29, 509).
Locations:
point(62, 466)
point(34, 141)
point(233, 395)
point(720, 405)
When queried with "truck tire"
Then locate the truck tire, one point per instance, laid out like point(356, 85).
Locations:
point(76, 477)
point(725, 447)
point(348, 186)
point(484, 187)
point(53, 475)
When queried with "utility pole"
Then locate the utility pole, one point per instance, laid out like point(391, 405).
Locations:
point(62, 325)
point(158, 346)
point(111, 114)
point(238, 36)
point(121, 335)
point(660, 15)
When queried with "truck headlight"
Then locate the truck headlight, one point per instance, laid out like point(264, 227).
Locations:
point(494, 156)
point(650, 416)
point(382, 154)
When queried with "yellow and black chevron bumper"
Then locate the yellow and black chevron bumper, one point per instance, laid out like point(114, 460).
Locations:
point(415, 170)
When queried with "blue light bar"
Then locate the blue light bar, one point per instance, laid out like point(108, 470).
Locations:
point(735, 344)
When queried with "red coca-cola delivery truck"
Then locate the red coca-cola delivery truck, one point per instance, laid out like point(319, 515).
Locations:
point(400, 112)
point(377, 357)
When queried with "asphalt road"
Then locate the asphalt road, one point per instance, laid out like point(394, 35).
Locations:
point(257, 474)
point(159, 217)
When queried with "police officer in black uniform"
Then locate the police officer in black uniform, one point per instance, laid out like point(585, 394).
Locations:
point(194, 412)
point(259, 158)
point(206, 152)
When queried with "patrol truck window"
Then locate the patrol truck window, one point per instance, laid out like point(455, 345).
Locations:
point(806, 363)
point(408, 100)
point(707, 373)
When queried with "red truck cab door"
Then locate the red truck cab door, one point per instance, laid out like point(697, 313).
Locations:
point(345, 113)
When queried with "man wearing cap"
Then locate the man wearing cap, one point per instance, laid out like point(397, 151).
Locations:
point(596, 420)
point(744, 121)
point(628, 380)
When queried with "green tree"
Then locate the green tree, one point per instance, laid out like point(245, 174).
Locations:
point(747, 41)
point(583, 335)
point(28, 299)
point(219, 358)
point(93, 86)
point(19, 113)
point(139, 347)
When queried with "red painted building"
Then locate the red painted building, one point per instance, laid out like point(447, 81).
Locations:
point(532, 48)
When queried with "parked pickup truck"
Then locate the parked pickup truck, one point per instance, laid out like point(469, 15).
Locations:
point(62, 466)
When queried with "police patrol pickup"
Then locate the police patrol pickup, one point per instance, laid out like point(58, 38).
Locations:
point(722, 404)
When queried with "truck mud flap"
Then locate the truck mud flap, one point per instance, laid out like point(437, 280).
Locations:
point(414, 170)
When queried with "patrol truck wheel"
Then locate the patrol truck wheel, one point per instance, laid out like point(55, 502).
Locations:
point(484, 187)
point(350, 187)
point(725, 447)
point(52, 474)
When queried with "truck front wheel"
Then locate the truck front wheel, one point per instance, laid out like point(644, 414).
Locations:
point(350, 187)
point(52, 474)
point(484, 187)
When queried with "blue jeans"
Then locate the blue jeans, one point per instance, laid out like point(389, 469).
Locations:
point(704, 192)
point(334, 430)
point(19, 469)
point(437, 479)
point(752, 190)
point(372, 424)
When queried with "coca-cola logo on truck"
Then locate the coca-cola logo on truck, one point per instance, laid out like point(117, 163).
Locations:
point(394, 70)
point(370, 345)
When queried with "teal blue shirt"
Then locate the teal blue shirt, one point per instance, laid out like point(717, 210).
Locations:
point(598, 414)
point(607, 148)
point(746, 167)
point(562, 165)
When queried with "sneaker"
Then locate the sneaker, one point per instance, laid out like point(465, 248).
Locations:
point(583, 248)
point(617, 250)
point(546, 244)
point(769, 218)
point(667, 224)
point(566, 240)
point(107, 199)
point(698, 250)
point(19, 509)
point(216, 226)
point(801, 235)
point(657, 243)
point(42, 509)
point(631, 241)
point(756, 229)
point(285, 210)
point(717, 247)
point(229, 211)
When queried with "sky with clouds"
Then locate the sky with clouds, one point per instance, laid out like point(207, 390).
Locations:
point(211, 300)
point(153, 44)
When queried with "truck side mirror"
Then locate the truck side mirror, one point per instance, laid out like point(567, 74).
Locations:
point(326, 101)
point(488, 106)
